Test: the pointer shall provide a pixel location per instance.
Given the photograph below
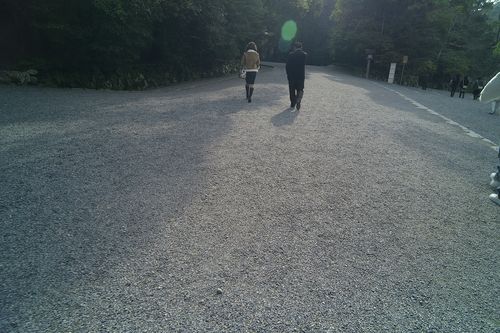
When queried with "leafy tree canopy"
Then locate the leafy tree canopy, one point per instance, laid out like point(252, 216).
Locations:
point(185, 39)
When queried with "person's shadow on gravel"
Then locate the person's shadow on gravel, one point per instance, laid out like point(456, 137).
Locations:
point(285, 117)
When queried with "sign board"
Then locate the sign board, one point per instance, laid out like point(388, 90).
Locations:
point(405, 59)
point(392, 72)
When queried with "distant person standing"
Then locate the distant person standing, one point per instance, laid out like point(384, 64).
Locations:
point(250, 63)
point(464, 83)
point(296, 74)
point(454, 84)
point(477, 87)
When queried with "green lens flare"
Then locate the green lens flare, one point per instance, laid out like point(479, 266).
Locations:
point(289, 30)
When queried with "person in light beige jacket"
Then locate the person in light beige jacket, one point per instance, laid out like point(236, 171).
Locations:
point(250, 63)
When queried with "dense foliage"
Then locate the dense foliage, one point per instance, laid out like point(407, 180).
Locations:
point(130, 44)
point(118, 43)
point(440, 37)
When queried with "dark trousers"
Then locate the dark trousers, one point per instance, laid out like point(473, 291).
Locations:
point(461, 93)
point(296, 89)
point(453, 89)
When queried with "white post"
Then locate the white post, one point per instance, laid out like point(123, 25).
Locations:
point(392, 72)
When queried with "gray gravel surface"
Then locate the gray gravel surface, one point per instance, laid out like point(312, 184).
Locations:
point(187, 209)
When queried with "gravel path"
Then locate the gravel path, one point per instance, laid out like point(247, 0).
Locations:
point(186, 209)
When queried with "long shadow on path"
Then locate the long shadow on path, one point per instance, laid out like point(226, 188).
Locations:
point(94, 185)
point(285, 117)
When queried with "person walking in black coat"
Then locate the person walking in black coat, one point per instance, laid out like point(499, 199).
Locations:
point(454, 84)
point(464, 83)
point(296, 73)
point(477, 87)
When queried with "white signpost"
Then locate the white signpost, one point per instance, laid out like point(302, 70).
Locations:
point(392, 72)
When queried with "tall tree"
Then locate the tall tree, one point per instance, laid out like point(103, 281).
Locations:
point(440, 37)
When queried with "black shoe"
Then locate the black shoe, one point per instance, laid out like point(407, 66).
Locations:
point(299, 99)
point(249, 100)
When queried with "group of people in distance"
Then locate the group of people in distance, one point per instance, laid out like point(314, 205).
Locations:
point(461, 84)
point(295, 72)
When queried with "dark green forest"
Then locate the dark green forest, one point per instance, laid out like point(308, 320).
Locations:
point(136, 44)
